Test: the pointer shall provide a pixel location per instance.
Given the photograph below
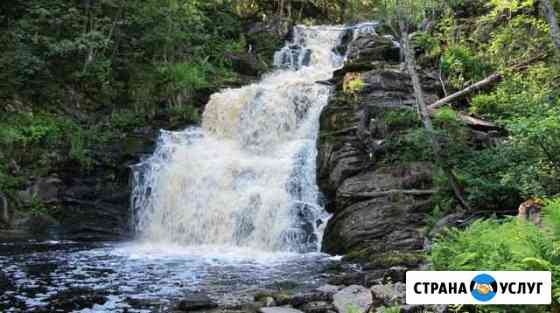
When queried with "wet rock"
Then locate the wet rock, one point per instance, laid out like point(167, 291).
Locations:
point(38, 225)
point(266, 37)
point(355, 299)
point(143, 304)
point(369, 47)
point(4, 210)
point(396, 274)
point(5, 283)
point(389, 294)
point(195, 302)
point(44, 189)
point(402, 309)
point(95, 220)
point(244, 63)
point(348, 279)
point(317, 307)
point(378, 213)
point(269, 301)
point(279, 309)
point(440, 308)
point(330, 289)
point(75, 299)
point(300, 299)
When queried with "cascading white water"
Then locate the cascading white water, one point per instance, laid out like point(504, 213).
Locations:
point(246, 178)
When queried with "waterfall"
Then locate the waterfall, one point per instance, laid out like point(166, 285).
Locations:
point(247, 176)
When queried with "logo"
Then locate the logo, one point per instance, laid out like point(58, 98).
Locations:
point(484, 287)
point(481, 288)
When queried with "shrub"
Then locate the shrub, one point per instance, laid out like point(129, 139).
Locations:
point(462, 66)
point(505, 245)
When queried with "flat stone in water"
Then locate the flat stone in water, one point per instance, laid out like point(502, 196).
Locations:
point(196, 302)
point(279, 309)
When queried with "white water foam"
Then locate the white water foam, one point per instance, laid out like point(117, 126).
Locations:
point(247, 177)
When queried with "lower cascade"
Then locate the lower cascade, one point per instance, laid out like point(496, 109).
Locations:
point(247, 176)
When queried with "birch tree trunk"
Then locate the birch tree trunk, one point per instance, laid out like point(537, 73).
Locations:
point(425, 116)
point(550, 15)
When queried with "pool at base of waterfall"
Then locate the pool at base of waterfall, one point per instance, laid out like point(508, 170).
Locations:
point(131, 277)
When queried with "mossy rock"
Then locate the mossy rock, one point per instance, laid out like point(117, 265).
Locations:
point(396, 258)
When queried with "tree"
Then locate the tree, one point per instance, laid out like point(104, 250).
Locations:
point(550, 15)
point(423, 109)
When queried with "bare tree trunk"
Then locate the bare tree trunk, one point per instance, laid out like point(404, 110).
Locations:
point(550, 15)
point(343, 7)
point(425, 116)
point(472, 88)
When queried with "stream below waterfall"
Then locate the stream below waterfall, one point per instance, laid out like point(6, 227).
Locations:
point(72, 277)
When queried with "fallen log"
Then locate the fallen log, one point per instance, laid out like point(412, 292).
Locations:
point(477, 123)
point(472, 88)
point(487, 82)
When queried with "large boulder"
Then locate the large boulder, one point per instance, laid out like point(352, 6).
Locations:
point(389, 294)
point(75, 299)
point(264, 38)
point(368, 47)
point(245, 63)
point(195, 301)
point(376, 211)
point(43, 189)
point(35, 225)
point(353, 299)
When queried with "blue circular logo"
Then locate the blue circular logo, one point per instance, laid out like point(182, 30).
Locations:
point(484, 287)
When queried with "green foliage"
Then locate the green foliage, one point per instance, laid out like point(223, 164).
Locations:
point(350, 308)
point(462, 67)
point(433, 217)
point(122, 52)
point(8, 182)
point(509, 6)
point(401, 119)
point(353, 86)
point(125, 120)
point(394, 309)
point(491, 245)
point(185, 112)
point(409, 145)
point(520, 39)
point(527, 104)
point(25, 129)
point(37, 208)
point(484, 173)
point(428, 43)
point(551, 212)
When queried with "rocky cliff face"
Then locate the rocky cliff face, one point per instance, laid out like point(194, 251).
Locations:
point(378, 202)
